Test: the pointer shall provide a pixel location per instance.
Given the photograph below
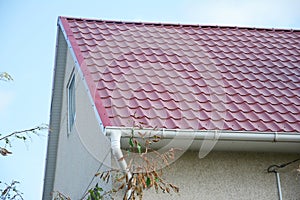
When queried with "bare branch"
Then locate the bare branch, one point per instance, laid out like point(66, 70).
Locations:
point(11, 192)
point(21, 135)
point(38, 128)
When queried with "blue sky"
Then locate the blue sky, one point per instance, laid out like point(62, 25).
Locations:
point(28, 37)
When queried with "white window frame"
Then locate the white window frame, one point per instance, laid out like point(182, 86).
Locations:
point(71, 102)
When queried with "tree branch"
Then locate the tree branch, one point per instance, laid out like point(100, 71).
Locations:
point(38, 128)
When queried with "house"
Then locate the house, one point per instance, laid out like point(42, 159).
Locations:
point(229, 97)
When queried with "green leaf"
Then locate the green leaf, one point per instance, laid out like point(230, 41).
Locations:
point(139, 148)
point(131, 142)
point(148, 181)
point(21, 137)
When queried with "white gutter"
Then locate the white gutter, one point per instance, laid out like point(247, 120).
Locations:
point(223, 140)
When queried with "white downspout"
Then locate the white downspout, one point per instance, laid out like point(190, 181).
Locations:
point(115, 138)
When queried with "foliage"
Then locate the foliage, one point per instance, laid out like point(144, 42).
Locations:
point(144, 166)
point(59, 196)
point(144, 169)
point(10, 192)
point(23, 135)
point(4, 76)
point(95, 193)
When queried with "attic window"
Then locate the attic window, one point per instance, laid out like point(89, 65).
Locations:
point(71, 103)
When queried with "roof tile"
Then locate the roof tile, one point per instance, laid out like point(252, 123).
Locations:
point(191, 77)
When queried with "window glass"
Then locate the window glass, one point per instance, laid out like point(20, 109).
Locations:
point(71, 103)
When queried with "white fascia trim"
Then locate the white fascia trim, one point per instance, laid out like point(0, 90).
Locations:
point(82, 77)
point(55, 116)
point(209, 135)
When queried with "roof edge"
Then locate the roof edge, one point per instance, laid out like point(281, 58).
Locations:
point(86, 75)
point(179, 24)
point(55, 115)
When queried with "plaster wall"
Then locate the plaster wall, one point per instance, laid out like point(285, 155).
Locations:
point(230, 175)
point(84, 150)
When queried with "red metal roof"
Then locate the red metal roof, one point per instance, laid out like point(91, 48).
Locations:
point(190, 76)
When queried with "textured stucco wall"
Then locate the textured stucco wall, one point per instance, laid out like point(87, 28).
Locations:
point(81, 151)
point(230, 175)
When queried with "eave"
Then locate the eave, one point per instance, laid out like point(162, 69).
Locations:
point(216, 140)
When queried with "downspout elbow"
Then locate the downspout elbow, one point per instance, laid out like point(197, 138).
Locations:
point(115, 138)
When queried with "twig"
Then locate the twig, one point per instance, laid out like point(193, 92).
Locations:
point(24, 131)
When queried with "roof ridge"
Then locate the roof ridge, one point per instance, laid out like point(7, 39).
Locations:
point(180, 24)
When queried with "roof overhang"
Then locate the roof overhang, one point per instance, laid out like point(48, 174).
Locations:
point(215, 140)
